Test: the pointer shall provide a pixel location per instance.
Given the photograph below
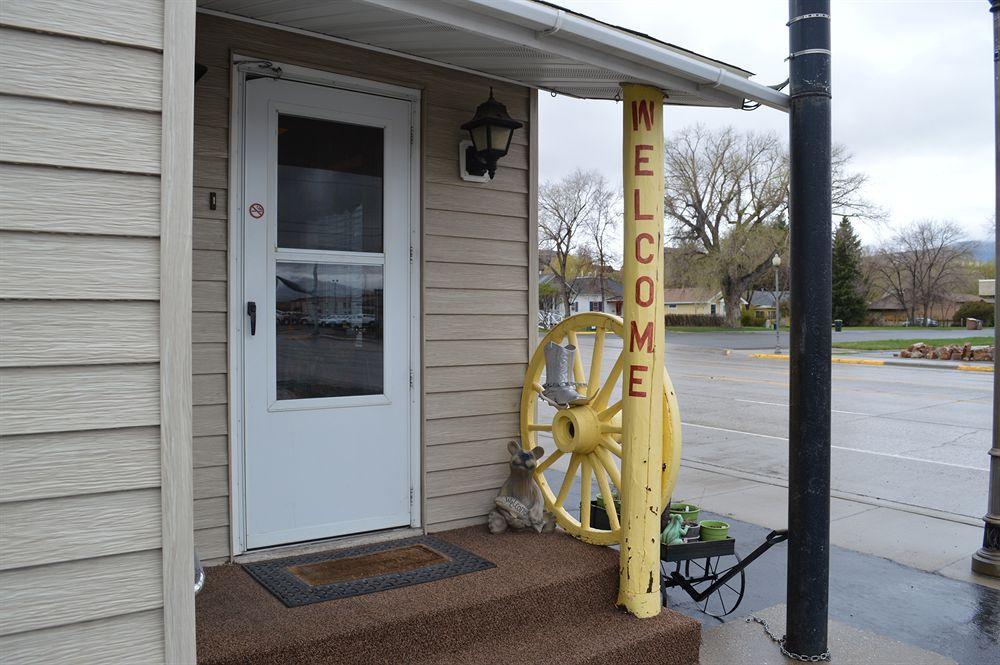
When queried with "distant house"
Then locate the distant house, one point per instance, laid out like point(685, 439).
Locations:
point(585, 295)
point(588, 291)
point(887, 310)
point(694, 301)
point(988, 289)
point(762, 303)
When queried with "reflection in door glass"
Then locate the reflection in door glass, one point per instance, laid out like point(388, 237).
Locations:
point(329, 185)
point(328, 330)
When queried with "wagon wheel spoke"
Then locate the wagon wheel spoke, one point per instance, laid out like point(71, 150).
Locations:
point(602, 397)
point(611, 411)
point(596, 358)
point(540, 468)
point(606, 461)
point(609, 499)
point(574, 464)
point(585, 491)
point(612, 445)
point(577, 359)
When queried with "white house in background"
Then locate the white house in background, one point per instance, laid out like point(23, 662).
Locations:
point(694, 300)
point(585, 296)
point(588, 295)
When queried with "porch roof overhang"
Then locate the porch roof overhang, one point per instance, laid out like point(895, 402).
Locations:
point(527, 42)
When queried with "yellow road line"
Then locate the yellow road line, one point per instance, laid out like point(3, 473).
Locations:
point(869, 361)
point(843, 361)
point(857, 361)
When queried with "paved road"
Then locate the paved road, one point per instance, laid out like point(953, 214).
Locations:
point(918, 437)
point(764, 339)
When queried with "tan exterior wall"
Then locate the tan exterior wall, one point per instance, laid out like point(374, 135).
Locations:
point(475, 276)
point(83, 552)
point(689, 308)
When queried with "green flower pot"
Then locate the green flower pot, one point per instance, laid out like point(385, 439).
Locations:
point(714, 530)
point(688, 511)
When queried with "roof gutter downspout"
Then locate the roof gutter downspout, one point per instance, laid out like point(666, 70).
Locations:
point(581, 30)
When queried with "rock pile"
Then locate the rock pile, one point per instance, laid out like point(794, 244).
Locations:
point(950, 352)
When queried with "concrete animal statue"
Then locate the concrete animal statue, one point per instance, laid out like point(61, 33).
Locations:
point(520, 504)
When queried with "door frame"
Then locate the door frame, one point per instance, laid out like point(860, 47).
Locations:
point(241, 66)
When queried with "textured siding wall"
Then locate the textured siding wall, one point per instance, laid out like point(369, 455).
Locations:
point(80, 561)
point(475, 276)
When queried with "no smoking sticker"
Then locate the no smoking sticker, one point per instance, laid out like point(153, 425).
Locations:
point(256, 210)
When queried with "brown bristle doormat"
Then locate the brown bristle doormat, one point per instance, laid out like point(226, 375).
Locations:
point(322, 576)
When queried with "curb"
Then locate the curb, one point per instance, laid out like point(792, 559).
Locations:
point(894, 363)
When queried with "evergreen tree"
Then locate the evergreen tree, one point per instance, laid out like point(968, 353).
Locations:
point(849, 302)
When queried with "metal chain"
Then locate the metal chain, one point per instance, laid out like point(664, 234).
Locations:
point(780, 641)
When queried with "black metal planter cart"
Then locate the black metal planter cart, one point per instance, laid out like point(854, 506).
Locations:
point(710, 571)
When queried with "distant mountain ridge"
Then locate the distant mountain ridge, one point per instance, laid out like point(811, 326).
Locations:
point(982, 250)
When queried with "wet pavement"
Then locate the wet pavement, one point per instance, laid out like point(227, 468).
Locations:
point(950, 617)
point(957, 619)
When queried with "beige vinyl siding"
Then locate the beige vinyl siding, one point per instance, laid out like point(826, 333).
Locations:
point(81, 572)
point(475, 275)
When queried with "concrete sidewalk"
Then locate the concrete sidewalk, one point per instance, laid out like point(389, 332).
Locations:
point(927, 540)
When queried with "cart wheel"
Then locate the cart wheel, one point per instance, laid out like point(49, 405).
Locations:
point(590, 434)
point(727, 597)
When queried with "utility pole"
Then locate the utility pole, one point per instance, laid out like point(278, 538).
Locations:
point(987, 560)
point(776, 263)
point(811, 296)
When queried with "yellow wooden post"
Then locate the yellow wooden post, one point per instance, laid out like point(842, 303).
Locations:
point(642, 379)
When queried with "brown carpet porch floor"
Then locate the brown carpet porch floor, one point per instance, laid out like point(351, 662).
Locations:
point(550, 599)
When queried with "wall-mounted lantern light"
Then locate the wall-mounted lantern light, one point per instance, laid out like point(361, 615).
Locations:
point(491, 130)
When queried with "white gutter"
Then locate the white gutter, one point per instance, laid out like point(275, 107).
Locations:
point(552, 30)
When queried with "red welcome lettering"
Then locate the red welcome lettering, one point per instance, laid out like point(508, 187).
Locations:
point(633, 381)
point(640, 160)
point(639, 299)
point(645, 339)
point(644, 110)
point(638, 215)
point(638, 248)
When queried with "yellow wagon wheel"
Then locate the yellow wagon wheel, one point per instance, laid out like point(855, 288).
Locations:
point(590, 433)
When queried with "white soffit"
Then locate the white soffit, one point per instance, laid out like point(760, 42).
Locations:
point(522, 41)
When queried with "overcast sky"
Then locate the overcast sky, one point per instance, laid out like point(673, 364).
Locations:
point(912, 96)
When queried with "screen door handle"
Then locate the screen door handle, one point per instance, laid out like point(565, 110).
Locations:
point(252, 313)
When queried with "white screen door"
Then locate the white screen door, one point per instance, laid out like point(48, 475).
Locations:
point(326, 329)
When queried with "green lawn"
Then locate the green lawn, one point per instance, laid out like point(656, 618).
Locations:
point(894, 344)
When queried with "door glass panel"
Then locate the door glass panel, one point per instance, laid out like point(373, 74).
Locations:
point(328, 330)
point(329, 185)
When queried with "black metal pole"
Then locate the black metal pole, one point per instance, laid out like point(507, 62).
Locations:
point(987, 560)
point(810, 216)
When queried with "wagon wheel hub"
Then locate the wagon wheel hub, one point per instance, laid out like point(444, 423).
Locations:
point(577, 430)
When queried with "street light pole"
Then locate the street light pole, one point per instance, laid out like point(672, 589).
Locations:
point(987, 560)
point(776, 263)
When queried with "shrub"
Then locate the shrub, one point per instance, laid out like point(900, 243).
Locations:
point(692, 320)
point(981, 310)
point(748, 318)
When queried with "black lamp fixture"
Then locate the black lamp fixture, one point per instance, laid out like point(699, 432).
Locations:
point(491, 130)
